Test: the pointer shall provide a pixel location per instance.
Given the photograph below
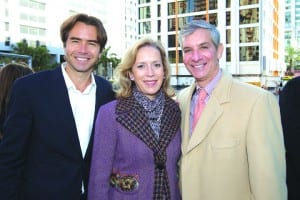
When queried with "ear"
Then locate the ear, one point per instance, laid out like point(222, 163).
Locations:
point(220, 51)
point(131, 76)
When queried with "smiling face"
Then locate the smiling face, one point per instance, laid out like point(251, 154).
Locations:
point(82, 50)
point(200, 56)
point(148, 71)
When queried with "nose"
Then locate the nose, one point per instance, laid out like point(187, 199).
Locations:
point(83, 46)
point(196, 55)
point(149, 70)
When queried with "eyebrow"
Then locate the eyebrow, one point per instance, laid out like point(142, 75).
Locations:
point(198, 45)
point(77, 38)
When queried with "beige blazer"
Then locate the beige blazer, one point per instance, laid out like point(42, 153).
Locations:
point(236, 151)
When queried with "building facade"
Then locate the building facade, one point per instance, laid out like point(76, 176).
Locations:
point(251, 31)
point(292, 22)
point(38, 22)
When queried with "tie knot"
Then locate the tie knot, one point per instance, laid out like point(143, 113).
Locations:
point(201, 93)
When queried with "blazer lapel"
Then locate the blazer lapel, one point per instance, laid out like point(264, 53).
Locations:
point(185, 105)
point(211, 113)
point(132, 117)
point(62, 104)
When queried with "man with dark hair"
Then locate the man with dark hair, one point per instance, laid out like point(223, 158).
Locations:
point(46, 148)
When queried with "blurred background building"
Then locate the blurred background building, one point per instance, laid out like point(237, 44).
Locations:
point(251, 30)
point(254, 32)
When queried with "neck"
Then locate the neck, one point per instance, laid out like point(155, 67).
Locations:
point(80, 79)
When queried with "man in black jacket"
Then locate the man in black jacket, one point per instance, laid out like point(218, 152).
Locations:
point(46, 149)
point(289, 102)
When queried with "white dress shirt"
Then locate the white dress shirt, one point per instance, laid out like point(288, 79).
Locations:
point(83, 107)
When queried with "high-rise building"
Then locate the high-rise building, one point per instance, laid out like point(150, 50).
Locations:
point(38, 22)
point(251, 30)
point(292, 22)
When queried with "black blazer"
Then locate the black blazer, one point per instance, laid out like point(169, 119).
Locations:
point(40, 154)
point(289, 102)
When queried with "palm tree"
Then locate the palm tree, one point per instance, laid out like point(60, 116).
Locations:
point(106, 63)
point(292, 58)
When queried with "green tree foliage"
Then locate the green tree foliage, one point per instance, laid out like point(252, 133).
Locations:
point(5, 60)
point(292, 58)
point(41, 59)
point(105, 60)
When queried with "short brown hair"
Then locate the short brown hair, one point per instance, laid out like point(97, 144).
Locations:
point(69, 23)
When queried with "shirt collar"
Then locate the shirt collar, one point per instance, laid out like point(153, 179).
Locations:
point(70, 85)
point(211, 85)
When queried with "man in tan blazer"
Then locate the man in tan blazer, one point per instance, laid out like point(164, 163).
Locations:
point(235, 151)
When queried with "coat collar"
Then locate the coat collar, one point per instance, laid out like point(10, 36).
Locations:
point(212, 112)
point(132, 116)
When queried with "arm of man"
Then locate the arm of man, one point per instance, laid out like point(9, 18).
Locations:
point(265, 148)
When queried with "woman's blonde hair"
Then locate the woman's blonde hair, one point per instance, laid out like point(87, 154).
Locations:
point(123, 84)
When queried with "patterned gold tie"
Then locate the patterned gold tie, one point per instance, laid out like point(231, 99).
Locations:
point(199, 106)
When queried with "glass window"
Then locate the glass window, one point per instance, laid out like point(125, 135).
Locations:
point(33, 31)
point(24, 3)
point(144, 1)
point(249, 16)
point(171, 9)
point(228, 19)
point(23, 29)
point(158, 11)
point(182, 7)
point(213, 19)
point(171, 41)
point(249, 34)
point(228, 54)
point(42, 19)
point(42, 32)
point(33, 18)
point(6, 12)
point(248, 2)
point(213, 4)
point(228, 36)
point(144, 27)
point(249, 53)
point(199, 6)
point(228, 3)
point(159, 26)
point(6, 26)
point(23, 16)
point(172, 24)
point(144, 12)
point(172, 56)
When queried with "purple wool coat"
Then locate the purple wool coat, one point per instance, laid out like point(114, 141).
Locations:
point(118, 150)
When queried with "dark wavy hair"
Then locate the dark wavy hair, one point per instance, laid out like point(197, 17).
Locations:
point(8, 74)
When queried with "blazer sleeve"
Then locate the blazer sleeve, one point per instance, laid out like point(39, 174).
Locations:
point(13, 146)
point(265, 147)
